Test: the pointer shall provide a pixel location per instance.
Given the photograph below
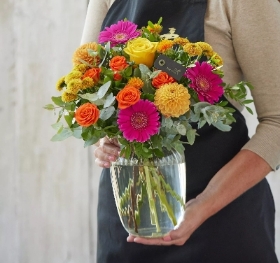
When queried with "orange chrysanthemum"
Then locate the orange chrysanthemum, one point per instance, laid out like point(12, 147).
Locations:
point(136, 82)
point(172, 99)
point(164, 45)
point(81, 53)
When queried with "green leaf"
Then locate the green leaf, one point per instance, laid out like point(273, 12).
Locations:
point(68, 119)
point(249, 110)
point(103, 89)
point(62, 135)
point(91, 141)
point(105, 114)
point(57, 101)
point(128, 72)
point(137, 73)
point(110, 99)
point(49, 107)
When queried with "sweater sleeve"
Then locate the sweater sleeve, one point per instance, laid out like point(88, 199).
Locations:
point(247, 35)
point(96, 12)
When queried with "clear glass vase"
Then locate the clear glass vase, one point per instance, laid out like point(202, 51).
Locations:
point(150, 193)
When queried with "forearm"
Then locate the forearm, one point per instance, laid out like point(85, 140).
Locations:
point(244, 171)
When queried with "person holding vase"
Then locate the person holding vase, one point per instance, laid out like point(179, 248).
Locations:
point(229, 215)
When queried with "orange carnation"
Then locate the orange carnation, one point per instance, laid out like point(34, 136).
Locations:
point(162, 78)
point(118, 63)
point(127, 97)
point(93, 73)
point(87, 114)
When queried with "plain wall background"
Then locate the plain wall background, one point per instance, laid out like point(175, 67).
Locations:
point(48, 191)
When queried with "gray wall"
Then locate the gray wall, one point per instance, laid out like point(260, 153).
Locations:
point(48, 191)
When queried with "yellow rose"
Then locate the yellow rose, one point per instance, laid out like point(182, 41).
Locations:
point(141, 51)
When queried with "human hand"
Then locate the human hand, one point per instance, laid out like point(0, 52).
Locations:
point(107, 151)
point(193, 218)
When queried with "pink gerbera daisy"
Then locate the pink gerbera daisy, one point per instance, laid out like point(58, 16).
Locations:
point(119, 33)
point(206, 83)
point(139, 121)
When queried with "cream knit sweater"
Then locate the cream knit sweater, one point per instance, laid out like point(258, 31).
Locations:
point(246, 33)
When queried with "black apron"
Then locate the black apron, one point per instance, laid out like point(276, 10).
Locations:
point(242, 232)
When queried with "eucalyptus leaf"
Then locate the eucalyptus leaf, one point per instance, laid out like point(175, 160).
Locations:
point(57, 126)
point(110, 99)
point(103, 89)
point(221, 126)
point(191, 134)
point(105, 114)
point(62, 135)
point(77, 132)
point(181, 129)
point(92, 97)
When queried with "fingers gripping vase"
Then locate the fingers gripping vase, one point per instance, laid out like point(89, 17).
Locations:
point(150, 193)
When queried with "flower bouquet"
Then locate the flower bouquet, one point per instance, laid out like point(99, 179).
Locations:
point(148, 91)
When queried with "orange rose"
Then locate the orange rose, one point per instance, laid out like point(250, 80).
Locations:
point(87, 114)
point(162, 78)
point(127, 97)
point(118, 63)
point(93, 73)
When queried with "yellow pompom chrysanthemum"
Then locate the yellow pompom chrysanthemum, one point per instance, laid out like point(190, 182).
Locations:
point(193, 49)
point(67, 97)
point(206, 49)
point(181, 41)
point(60, 84)
point(172, 99)
point(217, 59)
point(136, 82)
point(87, 83)
point(74, 74)
point(81, 67)
point(74, 86)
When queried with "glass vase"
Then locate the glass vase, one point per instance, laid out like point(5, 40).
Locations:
point(150, 193)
